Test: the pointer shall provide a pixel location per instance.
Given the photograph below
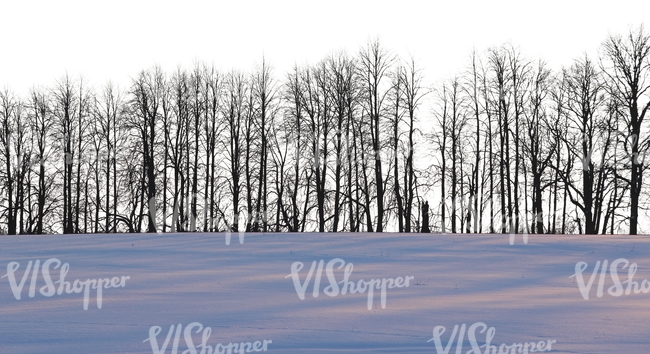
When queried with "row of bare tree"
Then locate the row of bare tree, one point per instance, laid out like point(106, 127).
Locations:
point(352, 143)
point(567, 146)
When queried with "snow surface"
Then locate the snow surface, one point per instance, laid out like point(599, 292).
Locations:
point(241, 291)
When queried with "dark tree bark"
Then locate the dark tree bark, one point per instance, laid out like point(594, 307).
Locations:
point(425, 218)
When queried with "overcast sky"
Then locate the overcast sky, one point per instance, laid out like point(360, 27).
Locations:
point(103, 40)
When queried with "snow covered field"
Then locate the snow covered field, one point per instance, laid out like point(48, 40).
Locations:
point(245, 294)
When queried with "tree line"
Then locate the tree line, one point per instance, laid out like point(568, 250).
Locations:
point(353, 143)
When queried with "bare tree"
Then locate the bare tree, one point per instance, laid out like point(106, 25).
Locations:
point(264, 95)
point(341, 69)
point(374, 65)
point(11, 143)
point(500, 97)
point(41, 126)
point(65, 101)
point(585, 100)
point(456, 124)
point(146, 91)
point(237, 90)
point(538, 150)
point(214, 86)
point(519, 71)
point(317, 105)
point(300, 179)
point(472, 89)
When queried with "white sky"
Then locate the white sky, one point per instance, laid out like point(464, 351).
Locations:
point(103, 40)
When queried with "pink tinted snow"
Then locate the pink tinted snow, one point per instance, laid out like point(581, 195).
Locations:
point(242, 292)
